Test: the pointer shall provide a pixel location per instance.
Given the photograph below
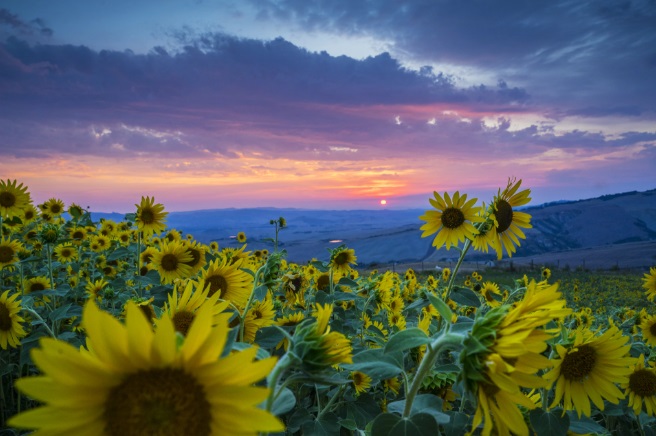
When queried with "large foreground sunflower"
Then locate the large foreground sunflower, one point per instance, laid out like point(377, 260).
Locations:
point(11, 330)
point(641, 388)
point(589, 370)
point(508, 221)
point(139, 382)
point(150, 216)
point(13, 199)
point(452, 219)
point(650, 283)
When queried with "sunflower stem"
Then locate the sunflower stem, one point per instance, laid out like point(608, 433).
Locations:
point(52, 281)
point(452, 279)
point(242, 317)
point(281, 367)
point(36, 314)
point(138, 263)
point(446, 340)
point(330, 402)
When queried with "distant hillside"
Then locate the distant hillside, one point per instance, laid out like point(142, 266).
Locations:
point(381, 236)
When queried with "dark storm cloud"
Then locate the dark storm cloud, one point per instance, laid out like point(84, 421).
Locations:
point(569, 52)
point(14, 24)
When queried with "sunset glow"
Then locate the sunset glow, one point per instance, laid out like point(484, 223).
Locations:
point(271, 111)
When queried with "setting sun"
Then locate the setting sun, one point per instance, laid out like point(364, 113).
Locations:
point(383, 202)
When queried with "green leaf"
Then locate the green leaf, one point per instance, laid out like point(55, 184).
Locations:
point(327, 425)
point(376, 364)
point(119, 253)
point(584, 425)
point(59, 313)
point(465, 296)
point(549, 423)
point(387, 424)
point(406, 340)
point(284, 402)
point(362, 411)
point(462, 324)
point(423, 403)
point(456, 426)
point(348, 424)
point(441, 306)
point(345, 281)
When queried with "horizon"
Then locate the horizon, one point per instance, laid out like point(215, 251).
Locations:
point(327, 106)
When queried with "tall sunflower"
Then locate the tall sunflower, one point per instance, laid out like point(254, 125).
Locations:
point(507, 221)
point(13, 199)
point(641, 388)
point(137, 382)
point(589, 369)
point(197, 252)
point(228, 280)
point(342, 258)
point(452, 220)
point(171, 261)
point(11, 330)
point(66, 253)
point(150, 216)
point(650, 283)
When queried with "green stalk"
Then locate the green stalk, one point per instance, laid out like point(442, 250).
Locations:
point(281, 367)
point(36, 314)
point(242, 317)
point(452, 279)
point(330, 402)
point(446, 340)
point(50, 275)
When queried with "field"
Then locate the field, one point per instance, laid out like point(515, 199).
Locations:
point(132, 327)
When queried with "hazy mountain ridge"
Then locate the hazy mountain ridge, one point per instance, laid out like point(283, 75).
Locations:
point(380, 236)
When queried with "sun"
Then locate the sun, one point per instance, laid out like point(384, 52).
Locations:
point(383, 202)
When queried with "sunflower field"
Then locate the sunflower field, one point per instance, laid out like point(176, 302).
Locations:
point(133, 328)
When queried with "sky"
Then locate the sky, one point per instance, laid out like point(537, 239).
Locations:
point(323, 104)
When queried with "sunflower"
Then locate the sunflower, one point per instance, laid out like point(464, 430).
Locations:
point(30, 214)
point(36, 284)
point(182, 310)
point(99, 243)
point(66, 253)
point(241, 237)
point(341, 259)
point(197, 252)
point(54, 207)
point(136, 381)
point(361, 381)
point(11, 330)
point(641, 388)
point(507, 221)
point(13, 199)
point(546, 273)
point(490, 292)
point(214, 246)
point(648, 328)
point(95, 288)
point(318, 347)
point(150, 217)
point(589, 368)
point(9, 250)
point(124, 237)
point(650, 283)
point(171, 261)
point(446, 273)
point(260, 315)
point(78, 234)
point(452, 221)
point(228, 280)
point(173, 235)
point(504, 354)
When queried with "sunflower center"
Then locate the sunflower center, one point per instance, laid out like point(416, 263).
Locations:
point(195, 256)
point(6, 254)
point(342, 258)
point(504, 214)
point(357, 379)
point(66, 253)
point(78, 234)
point(169, 262)
point(652, 329)
point(35, 287)
point(216, 284)
point(147, 216)
point(158, 401)
point(643, 383)
point(323, 282)
point(5, 319)
point(28, 214)
point(182, 320)
point(578, 365)
point(7, 199)
point(56, 209)
point(452, 218)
